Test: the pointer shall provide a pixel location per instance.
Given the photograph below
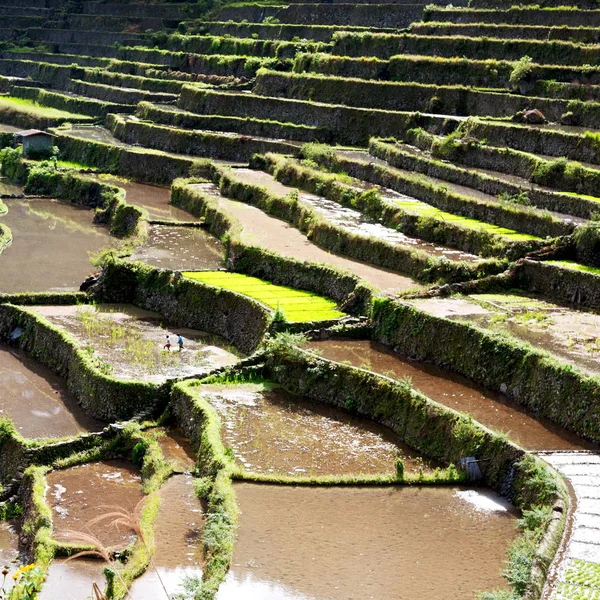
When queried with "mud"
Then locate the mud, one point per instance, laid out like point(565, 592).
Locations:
point(414, 543)
point(278, 236)
point(79, 494)
point(180, 249)
point(10, 189)
point(349, 219)
point(495, 411)
point(38, 401)
point(570, 333)
point(130, 341)
point(178, 545)
point(73, 580)
point(272, 431)
point(51, 242)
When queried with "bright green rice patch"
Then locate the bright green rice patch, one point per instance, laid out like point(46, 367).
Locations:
point(427, 211)
point(574, 195)
point(33, 108)
point(580, 572)
point(576, 592)
point(574, 266)
point(297, 306)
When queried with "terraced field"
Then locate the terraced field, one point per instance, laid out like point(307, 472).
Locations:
point(271, 245)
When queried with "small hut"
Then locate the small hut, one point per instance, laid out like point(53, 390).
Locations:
point(35, 142)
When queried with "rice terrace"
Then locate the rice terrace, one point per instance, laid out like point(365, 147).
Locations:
point(299, 300)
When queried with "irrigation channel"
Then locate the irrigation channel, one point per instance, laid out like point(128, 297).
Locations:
point(371, 537)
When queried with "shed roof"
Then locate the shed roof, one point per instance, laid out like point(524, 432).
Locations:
point(33, 132)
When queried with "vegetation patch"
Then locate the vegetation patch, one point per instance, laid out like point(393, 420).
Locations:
point(289, 304)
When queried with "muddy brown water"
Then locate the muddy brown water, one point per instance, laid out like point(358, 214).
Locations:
point(155, 199)
point(176, 447)
point(349, 219)
point(79, 494)
point(73, 579)
point(38, 401)
point(178, 545)
point(278, 236)
point(51, 242)
point(9, 552)
point(414, 543)
point(493, 410)
point(272, 431)
point(180, 249)
point(130, 340)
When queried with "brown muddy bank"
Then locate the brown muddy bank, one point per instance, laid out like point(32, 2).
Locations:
point(50, 247)
point(38, 401)
point(494, 410)
point(298, 543)
point(79, 494)
point(278, 236)
point(178, 546)
point(130, 341)
point(271, 431)
point(180, 249)
point(176, 448)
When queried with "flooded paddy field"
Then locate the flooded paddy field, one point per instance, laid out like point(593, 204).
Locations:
point(155, 199)
point(73, 579)
point(131, 341)
point(175, 448)
point(569, 333)
point(494, 410)
point(37, 400)
point(79, 494)
point(274, 432)
point(178, 545)
point(414, 543)
point(278, 236)
point(10, 558)
point(180, 249)
point(51, 245)
point(350, 219)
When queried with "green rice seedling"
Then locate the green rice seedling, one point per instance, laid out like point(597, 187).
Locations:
point(295, 306)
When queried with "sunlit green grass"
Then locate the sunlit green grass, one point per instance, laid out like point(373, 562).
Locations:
point(296, 305)
point(569, 264)
point(33, 108)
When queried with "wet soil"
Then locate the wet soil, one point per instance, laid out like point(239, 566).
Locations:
point(51, 242)
point(570, 333)
point(130, 340)
point(79, 494)
point(73, 580)
point(155, 199)
point(38, 401)
point(272, 431)
point(176, 448)
point(178, 545)
point(180, 249)
point(278, 236)
point(349, 219)
point(493, 410)
point(414, 543)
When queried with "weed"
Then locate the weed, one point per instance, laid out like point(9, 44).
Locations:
point(521, 70)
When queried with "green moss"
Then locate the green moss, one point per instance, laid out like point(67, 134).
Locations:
point(297, 306)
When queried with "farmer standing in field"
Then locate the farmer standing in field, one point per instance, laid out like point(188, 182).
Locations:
point(168, 344)
point(180, 342)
